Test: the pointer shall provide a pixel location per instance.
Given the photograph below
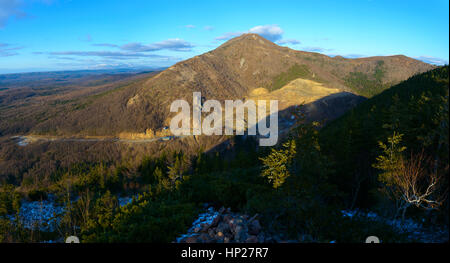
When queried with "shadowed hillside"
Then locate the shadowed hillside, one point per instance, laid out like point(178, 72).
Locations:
point(416, 108)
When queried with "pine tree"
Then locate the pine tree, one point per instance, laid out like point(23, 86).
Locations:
point(391, 161)
point(277, 163)
point(176, 170)
point(163, 182)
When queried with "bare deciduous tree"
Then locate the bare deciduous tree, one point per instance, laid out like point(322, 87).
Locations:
point(418, 184)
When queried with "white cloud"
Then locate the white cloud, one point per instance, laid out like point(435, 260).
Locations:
point(350, 56)
point(313, 49)
point(271, 32)
point(433, 60)
point(14, 8)
point(110, 54)
point(228, 35)
point(354, 56)
point(112, 63)
point(128, 52)
point(288, 41)
point(208, 28)
point(189, 26)
point(8, 9)
point(86, 38)
point(7, 50)
point(105, 45)
point(175, 44)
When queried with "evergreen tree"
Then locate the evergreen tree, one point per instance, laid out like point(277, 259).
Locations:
point(277, 164)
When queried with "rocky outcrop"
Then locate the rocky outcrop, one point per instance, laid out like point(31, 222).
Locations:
point(223, 226)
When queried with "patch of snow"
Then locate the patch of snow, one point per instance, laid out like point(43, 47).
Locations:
point(21, 140)
point(205, 218)
point(44, 214)
point(125, 200)
point(414, 230)
point(39, 214)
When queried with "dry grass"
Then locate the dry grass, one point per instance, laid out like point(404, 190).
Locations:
point(296, 92)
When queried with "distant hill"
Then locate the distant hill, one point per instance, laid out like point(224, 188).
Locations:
point(231, 71)
point(64, 78)
point(27, 99)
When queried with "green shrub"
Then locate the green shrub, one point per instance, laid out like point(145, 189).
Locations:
point(145, 221)
point(294, 72)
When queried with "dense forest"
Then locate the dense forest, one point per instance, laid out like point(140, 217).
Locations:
point(388, 155)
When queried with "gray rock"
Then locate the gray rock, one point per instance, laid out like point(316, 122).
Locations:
point(211, 233)
point(191, 239)
point(205, 227)
point(261, 237)
point(253, 218)
point(240, 233)
point(251, 239)
point(254, 227)
point(223, 227)
point(216, 221)
point(204, 238)
point(227, 218)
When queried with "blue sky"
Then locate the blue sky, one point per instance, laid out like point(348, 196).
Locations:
point(42, 35)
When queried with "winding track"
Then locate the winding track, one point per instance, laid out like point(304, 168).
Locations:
point(23, 140)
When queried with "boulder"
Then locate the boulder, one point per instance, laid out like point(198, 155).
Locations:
point(251, 239)
point(204, 238)
point(227, 218)
point(261, 237)
point(226, 227)
point(269, 239)
point(240, 233)
point(233, 223)
point(253, 218)
point(191, 239)
point(216, 220)
point(277, 239)
point(254, 227)
point(205, 227)
point(223, 227)
point(211, 233)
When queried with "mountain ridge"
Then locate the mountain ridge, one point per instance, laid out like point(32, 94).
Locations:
point(231, 71)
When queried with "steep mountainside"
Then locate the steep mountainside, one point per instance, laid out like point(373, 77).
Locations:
point(416, 108)
point(232, 71)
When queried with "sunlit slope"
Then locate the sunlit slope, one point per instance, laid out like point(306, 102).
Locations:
point(296, 92)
